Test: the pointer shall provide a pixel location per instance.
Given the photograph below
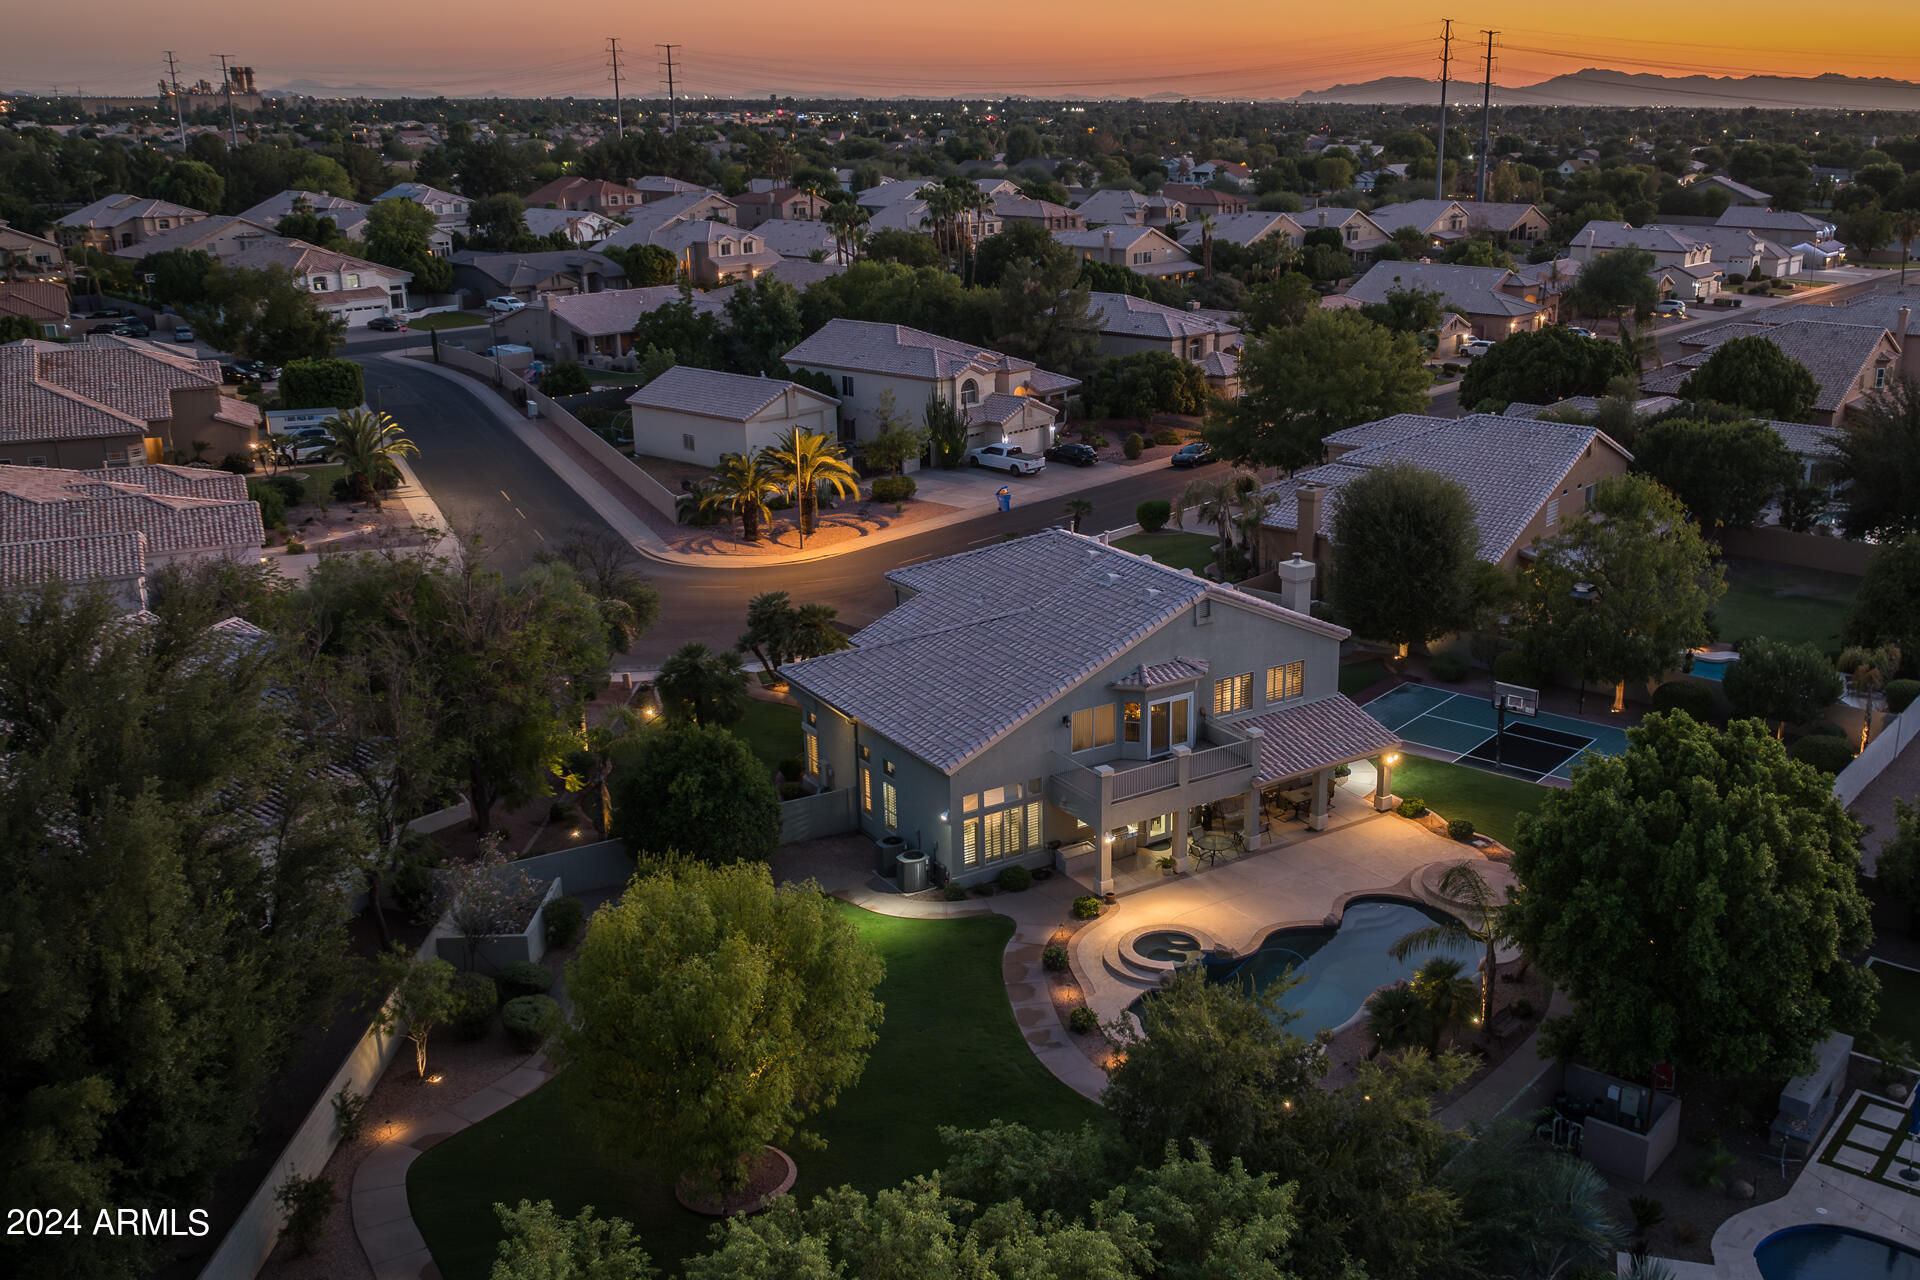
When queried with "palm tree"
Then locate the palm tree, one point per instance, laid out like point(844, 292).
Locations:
point(368, 442)
point(1566, 1219)
point(1870, 669)
point(1906, 229)
point(943, 207)
point(699, 686)
point(813, 632)
point(1642, 344)
point(740, 486)
point(1078, 509)
point(1206, 244)
point(973, 204)
point(1216, 500)
point(598, 743)
point(805, 460)
point(1467, 890)
point(1397, 1018)
point(1444, 994)
point(846, 220)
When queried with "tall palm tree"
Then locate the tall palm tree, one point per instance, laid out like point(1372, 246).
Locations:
point(1078, 509)
point(1467, 890)
point(803, 461)
point(699, 686)
point(846, 220)
point(1567, 1223)
point(1216, 500)
point(943, 208)
point(368, 442)
point(1642, 344)
point(973, 204)
point(1206, 244)
point(1445, 994)
point(1870, 669)
point(1906, 229)
point(740, 487)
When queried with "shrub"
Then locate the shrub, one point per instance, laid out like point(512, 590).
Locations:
point(1828, 729)
point(1412, 807)
point(1459, 829)
point(564, 918)
point(954, 892)
point(1522, 1008)
point(1153, 514)
point(1689, 696)
point(1133, 445)
point(1083, 1021)
point(1513, 667)
point(292, 491)
point(560, 812)
point(985, 889)
point(1016, 879)
point(792, 768)
point(1086, 907)
point(524, 979)
point(792, 790)
point(1451, 666)
point(529, 1020)
point(1166, 435)
point(1054, 959)
point(1827, 754)
point(273, 505)
point(894, 489)
point(565, 379)
point(238, 463)
point(307, 1201)
point(349, 1113)
point(412, 883)
point(1901, 693)
point(470, 1005)
point(295, 547)
point(321, 384)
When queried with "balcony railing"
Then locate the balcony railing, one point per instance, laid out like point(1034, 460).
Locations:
point(1143, 778)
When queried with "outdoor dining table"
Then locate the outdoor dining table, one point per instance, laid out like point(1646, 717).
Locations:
point(1211, 844)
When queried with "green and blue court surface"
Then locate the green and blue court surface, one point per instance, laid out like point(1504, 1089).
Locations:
point(1462, 728)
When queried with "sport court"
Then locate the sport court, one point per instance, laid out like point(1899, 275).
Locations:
point(1460, 727)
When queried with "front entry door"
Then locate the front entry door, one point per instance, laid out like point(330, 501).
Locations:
point(1167, 724)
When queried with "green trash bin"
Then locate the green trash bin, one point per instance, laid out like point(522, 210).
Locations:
point(913, 872)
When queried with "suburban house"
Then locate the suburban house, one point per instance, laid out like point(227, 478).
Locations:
point(448, 210)
point(1358, 232)
point(1508, 223)
point(528, 276)
point(657, 187)
point(587, 195)
point(1670, 246)
point(582, 326)
point(44, 302)
point(1525, 477)
point(795, 239)
point(115, 402)
point(654, 218)
point(712, 253)
point(1849, 361)
point(788, 203)
point(1207, 200)
point(1131, 209)
point(1787, 228)
point(1739, 192)
point(696, 415)
point(1372, 180)
point(1148, 251)
point(911, 215)
point(1003, 398)
point(347, 288)
point(1056, 701)
point(1044, 214)
point(349, 216)
point(112, 528)
point(1244, 229)
point(1129, 324)
point(117, 221)
point(1821, 254)
point(579, 227)
point(1736, 251)
point(29, 257)
point(1895, 309)
point(1440, 221)
point(221, 236)
point(1497, 300)
point(1814, 447)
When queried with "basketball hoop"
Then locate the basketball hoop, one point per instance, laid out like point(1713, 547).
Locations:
point(1510, 700)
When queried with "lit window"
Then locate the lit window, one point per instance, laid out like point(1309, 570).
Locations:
point(1232, 693)
point(890, 805)
point(813, 753)
point(866, 789)
point(1130, 717)
point(1093, 728)
point(1553, 512)
point(888, 766)
point(1286, 681)
point(969, 392)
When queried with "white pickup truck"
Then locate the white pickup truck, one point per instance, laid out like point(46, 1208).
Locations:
point(1005, 457)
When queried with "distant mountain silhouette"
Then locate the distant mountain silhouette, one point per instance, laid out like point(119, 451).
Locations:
point(1595, 87)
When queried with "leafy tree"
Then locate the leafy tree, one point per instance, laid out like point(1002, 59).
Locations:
point(1145, 383)
point(1405, 543)
point(1879, 465)
point(699, 686)
point(421, 993)
point(609, 571)
point(1869, 670)
point(645, 264)
point(714, 1013)
point(1782, 682)
point(1897, 868)
point(495, 222)
point(1281, 303)
point(322, 384)
point(172, 920)
point(1542, 367)
point(1477, 253)
point(399, 233)
point(1406, 311)
point(1332, 370)
point(763, 323)
point(695, 337)
point(1757, 375)
point(367, 444)
point(262, 313)
point(195, 184)
point(565, 378)
point(1652, 581)
point(179, 275)
point(1041, 310)
point(1666, 934)
point(1617, 284)
point(897, 441)
point(908, 248)
point(489, 166)
point(1726, 473)
point(539, 1244)
point(696, 789)
point(946, 431)
point(17, 328)
point(806, 462)
point(1886, 609)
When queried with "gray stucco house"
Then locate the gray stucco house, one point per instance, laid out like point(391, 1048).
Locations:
point(1054, 692)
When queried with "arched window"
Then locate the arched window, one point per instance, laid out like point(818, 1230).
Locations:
point(969, 392)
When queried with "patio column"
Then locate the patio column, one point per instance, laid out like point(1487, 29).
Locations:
point(1317, 814)
point(1179, 850)
point(1105, 826)
point(1251, 831)
point(1104, 885)
point(1383, 780)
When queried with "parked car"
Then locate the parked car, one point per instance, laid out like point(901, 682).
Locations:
point(311, 448)
point(1005, 457)
point(258, 370)
point(1671, 307)
point(1476, 347)
point(387, 324)
point(231, 372)
point(182, 334)
point(1074, 455)
point(1578, 332)
point(505, 304)
point(1197, 454)
point(109, 326)
point(135, 329)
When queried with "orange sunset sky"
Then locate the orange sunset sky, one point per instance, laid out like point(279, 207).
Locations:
point(1226, 48)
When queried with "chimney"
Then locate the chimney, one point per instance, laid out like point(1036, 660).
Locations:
point(1901, 319)
point(1306, 521)
point(1106, 237)
point(1296, 584)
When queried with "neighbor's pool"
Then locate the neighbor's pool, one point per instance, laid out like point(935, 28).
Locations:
point(1820, 1252)
point(1713, 666)
point(1340, 968)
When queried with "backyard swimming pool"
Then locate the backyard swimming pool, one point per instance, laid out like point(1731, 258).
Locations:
point(1820, 1252)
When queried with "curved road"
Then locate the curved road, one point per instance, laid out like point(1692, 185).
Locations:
point(487, 482)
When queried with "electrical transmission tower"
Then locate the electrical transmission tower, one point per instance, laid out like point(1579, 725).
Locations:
point(1440, 161)
point(613, 60)
point(673, 115)
point(173, 86)
point(1486, 111)
point(233, 129)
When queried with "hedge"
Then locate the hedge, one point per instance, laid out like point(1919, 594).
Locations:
point(1153, 514)
point(525, 978)
point(529, 1020)
point(1689, 696)
point(564, 917)
point(321, 384)
point(1901, 693)
point(1827, 754)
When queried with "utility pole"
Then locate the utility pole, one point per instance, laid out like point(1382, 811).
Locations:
point(1440, 159)
point(673, 116)
point(173, 88)
point(1486, 111)
point(619, 116)
point(233, 129)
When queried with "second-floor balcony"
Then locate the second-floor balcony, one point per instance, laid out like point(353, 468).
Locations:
point(1219, 764)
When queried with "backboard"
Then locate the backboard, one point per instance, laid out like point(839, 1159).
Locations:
point(1516, 699)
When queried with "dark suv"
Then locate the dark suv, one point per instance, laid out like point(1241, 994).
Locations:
point(1075, 455)
point(1197, 454)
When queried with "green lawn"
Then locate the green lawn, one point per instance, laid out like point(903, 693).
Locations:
point(611, 377)
point(1491, 801)
point(1359, 676)
point(319, 478)
point(1784, 603)
point(1899, 1015)
point(447, 320)
point(772, 729)
point(1177, 550)
point(949, 1053)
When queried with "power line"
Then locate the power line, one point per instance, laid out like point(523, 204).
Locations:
point(1486, 114)
point(673, 117)
point(233, 130)
point(1440, 161)
point(619, 116)
point(173, 86)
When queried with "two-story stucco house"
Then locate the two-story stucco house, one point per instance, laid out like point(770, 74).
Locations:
point(1003, 399)
point(1147, 251)
point(449, 210)
point(1129, 324)
point(789, 203)
point(348, 288)
point(120, 221)
point(1497, 301)
point(1440, 221)
point(1056, 700)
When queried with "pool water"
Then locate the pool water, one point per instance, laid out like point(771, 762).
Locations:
point(1715, 671)
point(1167, 944)
point(1819, 1252)
point(1340, 968)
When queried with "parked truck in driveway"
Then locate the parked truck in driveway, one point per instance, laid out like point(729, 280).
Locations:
point(1005, 457)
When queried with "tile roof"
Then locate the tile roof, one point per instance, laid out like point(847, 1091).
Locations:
point(801, 273)
point(347, 215)
point(612, 311)
point(1154, 675)
point(1653, 237)
point(1001, 408)
point(1313, 735)
point(420, 193)
point(1242, 228)
point(895, 348)
point(1421, 215)
point(111, 211)
point(1221, 364)
point(736, 397)
point(582, 226)
point(1118, 236)
point(80, 508)
point(104, 386)
point(994, 635)
point(193, 235)
point(1800, 225)
point(529, 270)
point(650, 220)
point(42, 300)
point(1880, 309)
point(1474, 290)
point(1018, 206)
point(303, 259)
point(1131, 207)
point(1141, 318)
point(1337, 217)
point(1836, 354)
point(1493, 215)
point(791, 238)
point(891, 193)
point(87, 558)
